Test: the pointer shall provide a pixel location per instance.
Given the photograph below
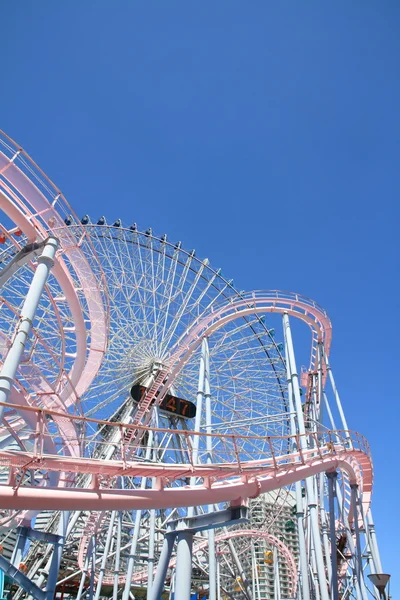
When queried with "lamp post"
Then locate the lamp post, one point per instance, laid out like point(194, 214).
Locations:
point(380, 581)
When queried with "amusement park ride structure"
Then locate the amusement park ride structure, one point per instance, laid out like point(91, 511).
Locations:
point(145, 401)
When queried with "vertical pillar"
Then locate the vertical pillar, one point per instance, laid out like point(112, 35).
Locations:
point(253, 568)
point(336, 394)
point(118, 557)
point(373, 543)
point(198, 417)
point(324, 525)
point(212, 566)
point(320, 383)
point(93, 569)
point(57, 554)
point(258, 593)
point(162, 567)
point(184, 565)
point(299, 499)
point(219, 581)
point(332, 533)
point(277, 591)
point(18, 551)
point(150, 564)
point(312, 505)
point(359, 569)
point(328, 410)
point(85, 569)
point(105, 555)
point(314, 570)
point(13, 358)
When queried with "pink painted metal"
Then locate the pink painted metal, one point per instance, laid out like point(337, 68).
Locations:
point(36, 215)
point(222, 482)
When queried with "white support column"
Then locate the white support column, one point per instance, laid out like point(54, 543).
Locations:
point(218, 581)
point(328, 410)
point(150, 565)
point(305, 586)
point(93, 569)
point(312, 504)
point(277, 582)
point(88, 558)
point(332, 532)
point(18, 552)
point(358, 553)
point(13, 358)
point(320, 383)
point(253, 568)
point(117, 555)
point(314, 570)
point(324, 524)
point(162, 567)
point(184, 565)
point(335, 392)
point(105, 555)
point(198, 418)
point(374, 543)
point(212, 566)
point(55, 561)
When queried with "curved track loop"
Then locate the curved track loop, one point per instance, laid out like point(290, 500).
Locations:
point(274, 301)
point(37, 207)
point(141, 576)
point(36, 215)
point(227, 480)
point(251, 303)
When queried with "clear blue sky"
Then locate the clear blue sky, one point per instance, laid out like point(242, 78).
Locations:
point(263, 134)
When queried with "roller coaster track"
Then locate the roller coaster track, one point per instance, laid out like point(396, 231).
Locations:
point(224, 481)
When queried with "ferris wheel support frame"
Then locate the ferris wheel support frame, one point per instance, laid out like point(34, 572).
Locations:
point(14, 354)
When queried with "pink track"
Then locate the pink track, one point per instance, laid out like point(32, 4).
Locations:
point(222, 482)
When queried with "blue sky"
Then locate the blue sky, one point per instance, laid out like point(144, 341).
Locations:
point(263, 134)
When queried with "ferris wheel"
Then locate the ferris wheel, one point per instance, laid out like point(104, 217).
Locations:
point(147, 391)
point(154, 291)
